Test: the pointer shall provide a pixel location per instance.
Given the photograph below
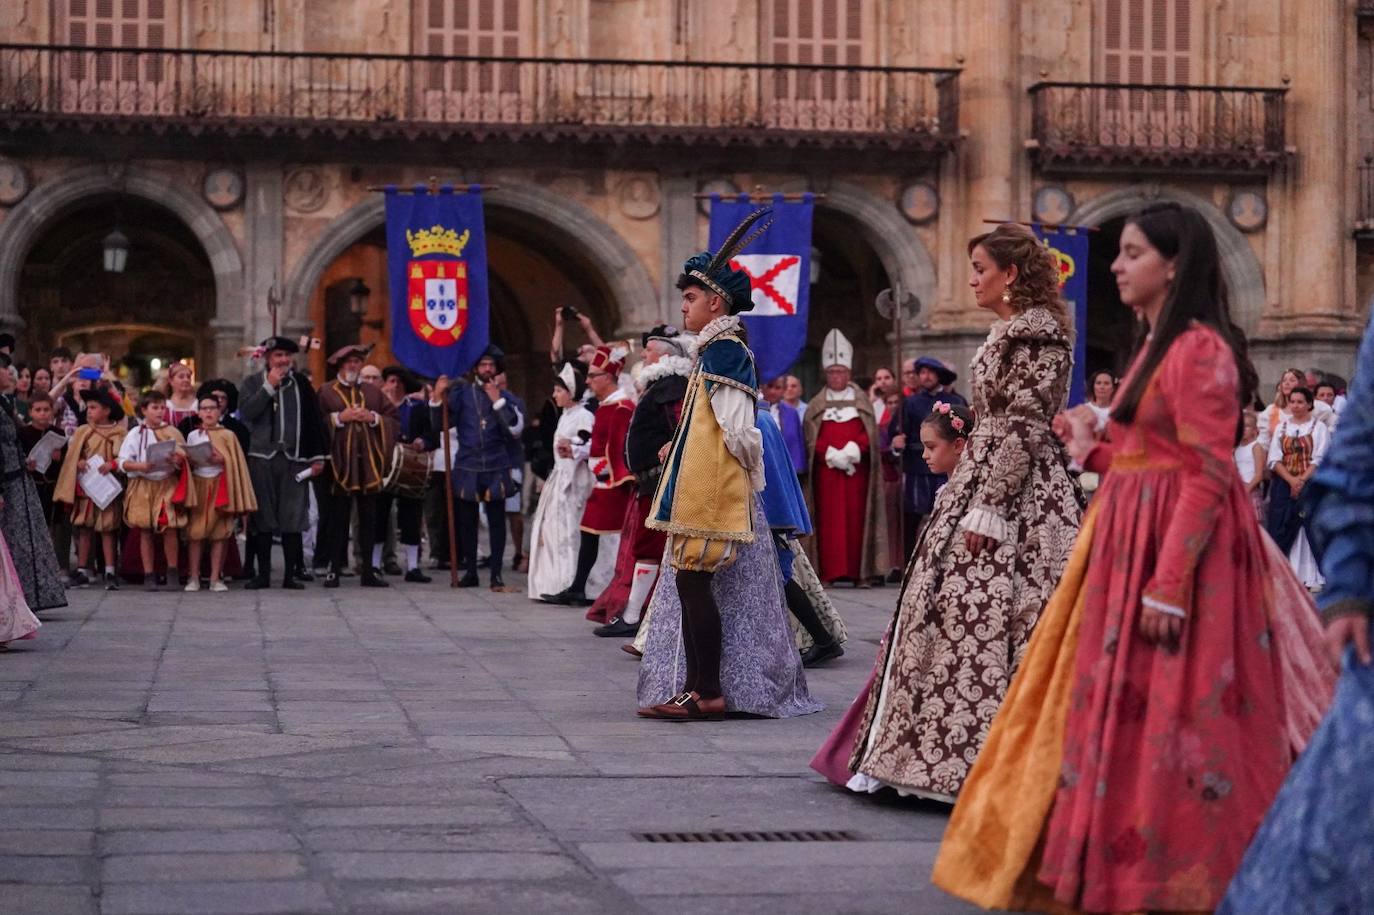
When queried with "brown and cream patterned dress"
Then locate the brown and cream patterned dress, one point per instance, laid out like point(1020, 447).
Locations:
point(963, 621)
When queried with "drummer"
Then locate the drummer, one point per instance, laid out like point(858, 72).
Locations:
point(415, 436)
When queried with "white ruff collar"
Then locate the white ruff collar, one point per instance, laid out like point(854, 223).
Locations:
point(665, 366)
point(714, 328)
point(614, 397)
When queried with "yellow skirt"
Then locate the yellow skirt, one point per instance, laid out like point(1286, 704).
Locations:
point(148, 505)
point(86, 515)
point(207, 521)
point(990, 854)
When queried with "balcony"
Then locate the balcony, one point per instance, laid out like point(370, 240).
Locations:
point(1142, 128)
point(375, 98)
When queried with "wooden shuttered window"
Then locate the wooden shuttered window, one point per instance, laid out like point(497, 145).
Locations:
point(1147, 41)
point(116, 24)
point(475, 28)
point(805, 32)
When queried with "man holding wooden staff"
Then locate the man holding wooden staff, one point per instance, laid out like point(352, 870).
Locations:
point(486, 419)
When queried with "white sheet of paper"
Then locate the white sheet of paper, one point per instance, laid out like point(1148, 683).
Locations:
point(200, 455)
point(159, 454)
point(41, 453)
point(100, 488)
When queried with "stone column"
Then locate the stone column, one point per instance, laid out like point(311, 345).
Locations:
point(1314, 317)
point(264, 243)
point(678, 218)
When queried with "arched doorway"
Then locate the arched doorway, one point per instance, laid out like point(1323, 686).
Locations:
point(533, 269)
point(152, 310)
point(1111, 326)
point(848, 275)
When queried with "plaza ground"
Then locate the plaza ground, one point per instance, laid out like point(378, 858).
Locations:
point(413, 750)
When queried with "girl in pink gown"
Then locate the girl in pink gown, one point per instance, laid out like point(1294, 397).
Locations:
point(16, 620)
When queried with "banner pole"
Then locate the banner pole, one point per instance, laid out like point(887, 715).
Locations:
point(448, 496)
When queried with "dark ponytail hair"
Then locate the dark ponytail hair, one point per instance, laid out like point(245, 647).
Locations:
point(943, 419)
point(1197, 293)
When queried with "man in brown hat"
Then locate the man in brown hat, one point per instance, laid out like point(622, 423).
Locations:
point(360, 420)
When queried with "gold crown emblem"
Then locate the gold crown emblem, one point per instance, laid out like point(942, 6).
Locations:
point(437, 240)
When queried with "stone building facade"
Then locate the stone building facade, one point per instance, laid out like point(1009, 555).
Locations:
point(239, 162)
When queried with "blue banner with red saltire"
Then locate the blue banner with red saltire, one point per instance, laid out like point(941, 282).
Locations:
point(436, 249)
point(1068, 245)
point(779, 266)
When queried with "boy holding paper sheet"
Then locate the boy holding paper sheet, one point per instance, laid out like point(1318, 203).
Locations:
point(159, 491)
point(223, 492)
point(100, 438)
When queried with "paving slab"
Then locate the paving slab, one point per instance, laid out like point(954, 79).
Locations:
point(415, 750)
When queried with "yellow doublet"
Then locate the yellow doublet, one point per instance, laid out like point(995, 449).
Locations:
point(707, 489)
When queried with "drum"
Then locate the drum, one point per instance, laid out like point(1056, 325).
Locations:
point(409, 473)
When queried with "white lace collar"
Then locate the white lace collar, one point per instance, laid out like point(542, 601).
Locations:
point(665, 366)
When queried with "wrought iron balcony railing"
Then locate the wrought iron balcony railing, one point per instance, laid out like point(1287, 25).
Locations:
point(1156, 127)
point(380, 96)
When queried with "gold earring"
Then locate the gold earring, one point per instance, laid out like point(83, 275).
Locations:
point(1006, 296)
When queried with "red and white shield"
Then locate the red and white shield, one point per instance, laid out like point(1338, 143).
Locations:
point(775, 280)
point(438, 300)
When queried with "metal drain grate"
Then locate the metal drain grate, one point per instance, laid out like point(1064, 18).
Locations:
point(806, 835)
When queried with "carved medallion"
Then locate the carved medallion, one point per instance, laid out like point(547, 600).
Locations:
point(638, 197)
point(14, 182)
point(1248, 210)
point(304, 190)
point(920, 202)
point(722, 186)
point(223, 188)
point(1052, 205)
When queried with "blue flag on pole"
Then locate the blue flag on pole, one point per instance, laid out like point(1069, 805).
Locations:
point(779, 266)
point(1068, 245)
point(436, 250)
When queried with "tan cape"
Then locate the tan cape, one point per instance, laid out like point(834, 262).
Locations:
point(160, 504)
point(86, 442)
point(874, 557)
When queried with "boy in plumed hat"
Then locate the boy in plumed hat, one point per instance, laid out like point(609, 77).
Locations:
point(718, 541)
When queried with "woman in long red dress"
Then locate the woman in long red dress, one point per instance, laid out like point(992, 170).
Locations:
point(1177, 671)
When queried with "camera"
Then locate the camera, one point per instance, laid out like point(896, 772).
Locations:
point(569, 313)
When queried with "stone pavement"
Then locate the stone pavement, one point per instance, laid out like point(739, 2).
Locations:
point(411, 750)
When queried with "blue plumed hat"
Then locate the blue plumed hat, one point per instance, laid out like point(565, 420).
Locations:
point(714, 272)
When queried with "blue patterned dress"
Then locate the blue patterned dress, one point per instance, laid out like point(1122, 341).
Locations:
point(1315, 849)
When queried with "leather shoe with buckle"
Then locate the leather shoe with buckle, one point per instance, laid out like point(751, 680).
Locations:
point(417, 577)
point(687, 707)
point(331, 580)
point(370, 579)
point(469, 580)
point(617, 627)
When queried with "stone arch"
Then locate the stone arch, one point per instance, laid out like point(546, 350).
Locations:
point(903, 255)
point(1244, 275)
point(53, 198)
point(606, 252)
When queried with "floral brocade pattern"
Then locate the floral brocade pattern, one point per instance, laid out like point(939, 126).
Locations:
point(963, 621)
point(25, 527)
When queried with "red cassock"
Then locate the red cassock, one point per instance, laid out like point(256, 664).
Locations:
point(615, 485)
point(841, 502)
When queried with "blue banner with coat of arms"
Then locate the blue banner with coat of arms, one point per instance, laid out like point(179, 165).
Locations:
point(778, 263)
point(437, 269)
point(1068, 245)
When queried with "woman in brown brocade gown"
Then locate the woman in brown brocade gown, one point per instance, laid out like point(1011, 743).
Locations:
point(994, 549)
